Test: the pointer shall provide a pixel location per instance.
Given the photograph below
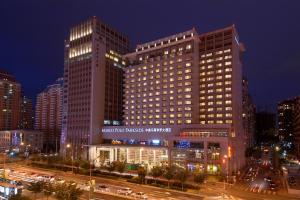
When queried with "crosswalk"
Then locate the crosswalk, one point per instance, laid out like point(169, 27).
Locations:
point(158, 195)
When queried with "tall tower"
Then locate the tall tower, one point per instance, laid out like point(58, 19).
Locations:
point(10, 102)
point(92, 83)
point(289, 124)
point(26, 117)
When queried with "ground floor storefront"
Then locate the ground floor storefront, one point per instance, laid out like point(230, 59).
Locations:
point(209, 149)
point(194, 160)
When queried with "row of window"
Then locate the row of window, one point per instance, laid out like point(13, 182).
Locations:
point(157, 122)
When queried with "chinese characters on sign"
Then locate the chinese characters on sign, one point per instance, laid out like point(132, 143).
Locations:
point(136, 130)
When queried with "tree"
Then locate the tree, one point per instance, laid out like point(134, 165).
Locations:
point(156, 172)
point(67, 191)
point(199, 178)
point(19, 197)
point(120, 166)
point(142, 174)
point(111, 167)
point(168, 174)
point(48, 190)
point(182, 175)
point(36, 188)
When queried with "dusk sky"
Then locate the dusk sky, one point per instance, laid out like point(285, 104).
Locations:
point(32, 36)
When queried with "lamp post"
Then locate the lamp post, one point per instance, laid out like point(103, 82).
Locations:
point(69, 147)
point(225, 162)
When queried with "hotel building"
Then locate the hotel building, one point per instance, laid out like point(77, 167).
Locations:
point(10, 101)
point(182, 105)
point(93, 76)
point(48, 115)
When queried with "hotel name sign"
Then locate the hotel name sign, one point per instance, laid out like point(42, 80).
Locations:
point(135, 130)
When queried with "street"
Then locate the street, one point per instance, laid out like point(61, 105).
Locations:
point(256, 189)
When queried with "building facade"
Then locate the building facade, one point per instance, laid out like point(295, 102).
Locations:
point(27, 115)
point(289, 124)
point(249, 111)
point(48, 115)
point(10, 101)
point(265, 126)
point(93, 75)
point(182, 104)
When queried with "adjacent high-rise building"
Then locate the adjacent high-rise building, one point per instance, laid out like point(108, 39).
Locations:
point(289, 124)
point(249, 111)
point(182, 104)
point(10, 101)
point(265, 126)
point(93, 75)
point(27, 115)
point(48, 115)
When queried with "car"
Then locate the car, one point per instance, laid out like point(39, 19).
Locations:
point(291, 178)
point(140, 195)
point(292, 181)
point(103, 188)
point(124, 191)
point(268, 179)
point(273, 187)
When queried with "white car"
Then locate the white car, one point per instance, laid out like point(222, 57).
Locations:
point(103, 188)
point(124, 191)
point(140, 195)
point(60, 180)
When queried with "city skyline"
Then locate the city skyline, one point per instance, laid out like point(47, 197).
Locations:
point(264, 65)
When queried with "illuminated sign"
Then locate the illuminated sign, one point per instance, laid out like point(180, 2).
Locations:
point(136, 130)
point(155, 141)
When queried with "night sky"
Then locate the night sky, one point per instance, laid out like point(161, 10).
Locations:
point(32, 34)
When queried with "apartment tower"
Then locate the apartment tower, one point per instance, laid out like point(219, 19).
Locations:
point(48, 115)
point(10, 101)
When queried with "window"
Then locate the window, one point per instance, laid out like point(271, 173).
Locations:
point(228, 102)
point(227, 63)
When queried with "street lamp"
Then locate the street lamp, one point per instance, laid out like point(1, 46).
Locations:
point(225, 157)
point(69, 147)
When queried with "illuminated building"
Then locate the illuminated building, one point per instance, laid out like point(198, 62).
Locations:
point(10, 102)
point(289, 124)
point(93, 75)
point(48, 115)
point(20, 140)
point(182, 104)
